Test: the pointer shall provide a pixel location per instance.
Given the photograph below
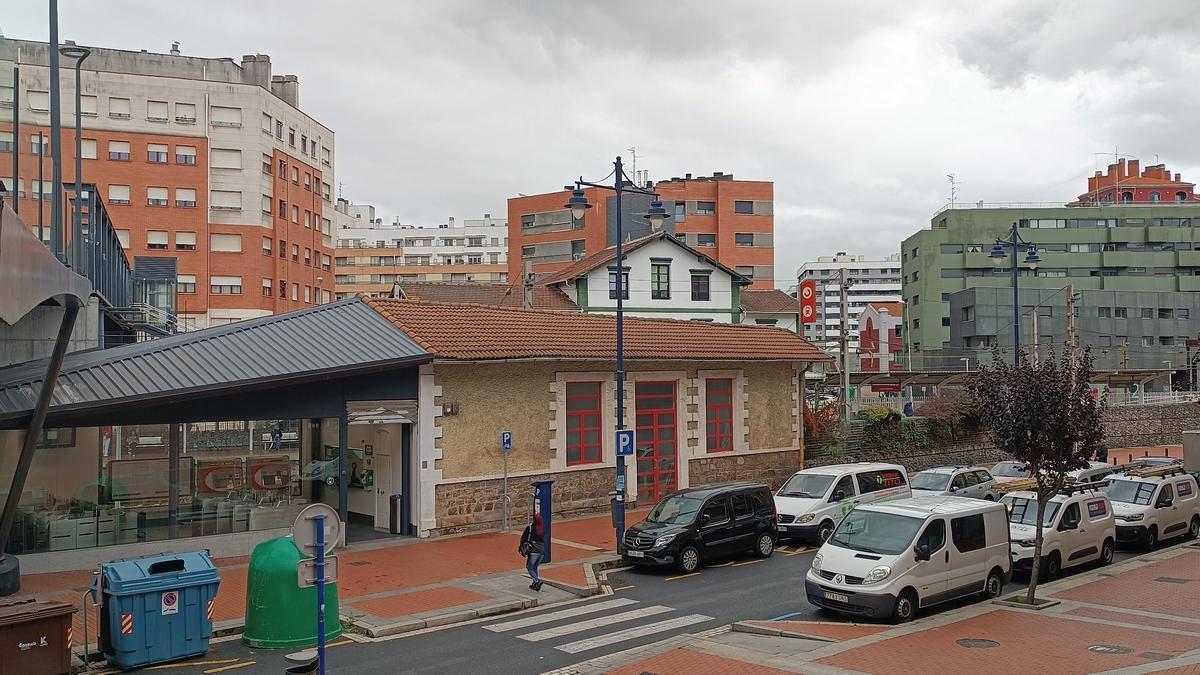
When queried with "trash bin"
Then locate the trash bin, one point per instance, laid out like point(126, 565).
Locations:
point(35, 637)
point(156, 608)
point(279, 612)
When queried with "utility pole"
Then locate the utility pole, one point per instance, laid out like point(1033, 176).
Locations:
point(1072, 335)
point(1035, 334)
point(844, 343)
point(1124, 353)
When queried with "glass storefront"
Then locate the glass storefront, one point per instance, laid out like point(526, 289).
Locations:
point(101, 486)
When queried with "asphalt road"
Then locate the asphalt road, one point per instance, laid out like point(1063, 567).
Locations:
point(647, 606)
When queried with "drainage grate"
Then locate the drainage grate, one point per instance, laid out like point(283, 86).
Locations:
point(1172, 580)
point(1110, 649)
point(970, 643)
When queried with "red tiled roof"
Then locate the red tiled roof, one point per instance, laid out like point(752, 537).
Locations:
point(495, 295)
point(769, 301)
point(591, 262)
point(472, 333)
point(895, 309)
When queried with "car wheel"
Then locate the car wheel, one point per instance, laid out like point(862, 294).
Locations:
point(906, 606)
point(994, 586)
point(1051, 567)
point(1106, 552)
point(765, 546)
point(824, 531)
point(989, 497)
point(1194, 528)
point(1152, 537)
point(689, 560)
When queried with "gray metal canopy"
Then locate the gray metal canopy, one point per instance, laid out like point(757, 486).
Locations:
point(332, 340)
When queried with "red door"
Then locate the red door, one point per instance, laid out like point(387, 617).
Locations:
point(657, 448)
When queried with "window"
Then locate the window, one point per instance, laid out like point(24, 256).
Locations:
point(118, 150)
point(583, 423)
point(1147, 341)
point(279, 135)
point(118, 194)
point(968, 533)
point(1147, 313)
point(87, 105)
point(296, 214)
point(968, 313)
point(185, 283)
point(706, 240)
point(156, 240)
point(714, 513)
point(308, 257)
point(308, 294)
point(283, 289)
point(185, 197)
point(743, 506)
point(295, 291)
point(123, 237)
point(226, 243)
point(718, 414)
point(303, 143)
point(308, 219)
point(612, 284)
point(185, 113)
point(225, 200)
point(843, 490)
point(1166, 313)
point(1154, 197)
point(87, 149)
point(156, 153)
point(38, 100)
point(680, 211)
point(292, 140)
point(295, 254)
point(934, 536)
point(185, 241)
point(951, 248)
point(1183, 313)
point(916, 323)
point(916, 300)
point(157, 111)
point(1121, 312)
point(224, 116)
point(267, 285)
point(874, 481)
point(945, 321)
point(706, 208)
point(39, 144)
point(743, 239)
point(282, 209)
point(308, 182)
point(156, 196)
point(700, 287)
point(268, 245)
point(118, 108)
point(745, 271)
point(185, 154)
point(225, 158)
point(1166, 341)
point(225, 285)
point(745, 208)
point(325, 155)
point(660, 281)
point(1104, 312)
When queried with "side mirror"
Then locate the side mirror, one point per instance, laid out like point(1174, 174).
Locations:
point(921, 552)
point(1067, 525)
point(954, 488)
point(1163, 503)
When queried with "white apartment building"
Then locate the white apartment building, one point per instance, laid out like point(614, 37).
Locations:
point(870, 279)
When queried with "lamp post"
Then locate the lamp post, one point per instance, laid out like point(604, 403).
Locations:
point(578, 204)
point(79, 54)
point(1014, 243)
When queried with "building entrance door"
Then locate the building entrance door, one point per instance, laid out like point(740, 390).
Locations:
point(657, 445)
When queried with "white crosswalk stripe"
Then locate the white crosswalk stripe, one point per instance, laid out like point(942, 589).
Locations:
point(631, 633)
point(547, 617)
point(598, 622)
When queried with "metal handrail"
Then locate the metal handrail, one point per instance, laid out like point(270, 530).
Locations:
point(959, 206)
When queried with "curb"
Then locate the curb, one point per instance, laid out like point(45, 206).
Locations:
point(749, 628)
point(459, 616)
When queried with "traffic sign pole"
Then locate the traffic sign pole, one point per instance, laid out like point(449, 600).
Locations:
point(506, 447)
point(319, 522)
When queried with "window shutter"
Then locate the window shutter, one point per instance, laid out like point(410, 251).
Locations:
point(227, 243)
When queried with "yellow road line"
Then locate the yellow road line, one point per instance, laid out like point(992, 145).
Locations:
point(682, 576)
point(243, 664)
point(189, 664)
point(725, 564)
point(747, 562)
point(622, 588)
point(339, 643)
point(798, 551)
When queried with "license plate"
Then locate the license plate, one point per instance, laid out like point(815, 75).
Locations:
point(836, 597)
point(635, 554)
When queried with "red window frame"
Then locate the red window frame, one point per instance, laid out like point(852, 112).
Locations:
point(584, 415)
point(721, 389)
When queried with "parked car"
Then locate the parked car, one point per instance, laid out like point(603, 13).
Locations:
point(894, 558)
point(1148, 463)
point(813, 501)
point(1155, 503)
point(1095, 471)
point(690, 526)
point(1009, 470)
point(1077, 527)
point(961, 481)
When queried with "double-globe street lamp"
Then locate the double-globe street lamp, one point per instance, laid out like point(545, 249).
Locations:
point(1014, 244)
point(79, 54)
point(578, 204)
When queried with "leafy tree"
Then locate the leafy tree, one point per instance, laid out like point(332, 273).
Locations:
point(1042, 412)
point(952, 410)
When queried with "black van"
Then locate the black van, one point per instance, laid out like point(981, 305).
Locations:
point(688, 526)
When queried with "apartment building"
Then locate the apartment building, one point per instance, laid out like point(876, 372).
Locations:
point(182, 149)
point(371, 256)
point(731, 221)
point(871, 280)
point(1103, 242)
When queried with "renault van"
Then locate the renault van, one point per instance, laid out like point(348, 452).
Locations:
point(1077, 527)
point(894, 558)
point(812, 502)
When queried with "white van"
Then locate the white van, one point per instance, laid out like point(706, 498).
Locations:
point(1155, 503)
point(1077, 527)
point(893, 558)
point(812, 502)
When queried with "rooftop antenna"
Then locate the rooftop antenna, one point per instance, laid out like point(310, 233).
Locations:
point(633, 162)
point(953, 188)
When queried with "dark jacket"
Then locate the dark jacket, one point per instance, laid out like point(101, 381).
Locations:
point(533, 538)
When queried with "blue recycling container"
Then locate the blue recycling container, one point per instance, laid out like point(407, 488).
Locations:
point(156, 608)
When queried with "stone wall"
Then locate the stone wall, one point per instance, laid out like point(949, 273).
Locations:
point(476, 505)
point(771, 468)
point(1130, 426)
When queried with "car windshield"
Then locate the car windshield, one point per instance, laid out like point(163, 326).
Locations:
point(1023, 511)
point(810, 485)
point(876, 532)
point(930, 480)
point(675, 510)
point(1010, 470)
point(1130, 492)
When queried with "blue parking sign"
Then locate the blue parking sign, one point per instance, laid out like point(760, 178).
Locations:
point(625, 442)
point(506, 441)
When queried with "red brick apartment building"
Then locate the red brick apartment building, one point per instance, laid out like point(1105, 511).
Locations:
point(182, 151)
point(731, 220)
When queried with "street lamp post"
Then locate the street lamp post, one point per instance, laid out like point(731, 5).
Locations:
point(1014, 244)
point(79, 54)
point(578, 204)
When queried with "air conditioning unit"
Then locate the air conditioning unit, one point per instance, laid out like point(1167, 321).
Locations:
point(576, 257)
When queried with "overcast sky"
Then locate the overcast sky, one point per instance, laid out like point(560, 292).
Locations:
point(857, 111)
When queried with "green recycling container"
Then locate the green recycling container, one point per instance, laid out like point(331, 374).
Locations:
point(279, 613)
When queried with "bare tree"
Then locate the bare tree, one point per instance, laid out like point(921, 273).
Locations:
point(1043, 413)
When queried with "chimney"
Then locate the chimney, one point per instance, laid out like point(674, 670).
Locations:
point(256, 69)
point(687, 176)
point(287, 88)
point(175, 48)
point(487, 216)
point(451, 221)
point(1177, 178)
point(1133, 168)
point(1112, 172)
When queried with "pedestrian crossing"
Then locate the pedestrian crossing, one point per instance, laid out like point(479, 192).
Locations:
point(611, 622)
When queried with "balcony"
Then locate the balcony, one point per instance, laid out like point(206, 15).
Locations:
point(1138, 259)
point(1188, 258)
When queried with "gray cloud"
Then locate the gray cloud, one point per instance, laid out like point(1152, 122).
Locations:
point(856, 110)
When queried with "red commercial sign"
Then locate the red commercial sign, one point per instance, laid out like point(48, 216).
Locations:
point(808, 301)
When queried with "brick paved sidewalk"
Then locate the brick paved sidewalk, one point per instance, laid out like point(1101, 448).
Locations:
point(392, 586)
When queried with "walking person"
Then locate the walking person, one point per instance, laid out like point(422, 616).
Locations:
point(533, 548)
